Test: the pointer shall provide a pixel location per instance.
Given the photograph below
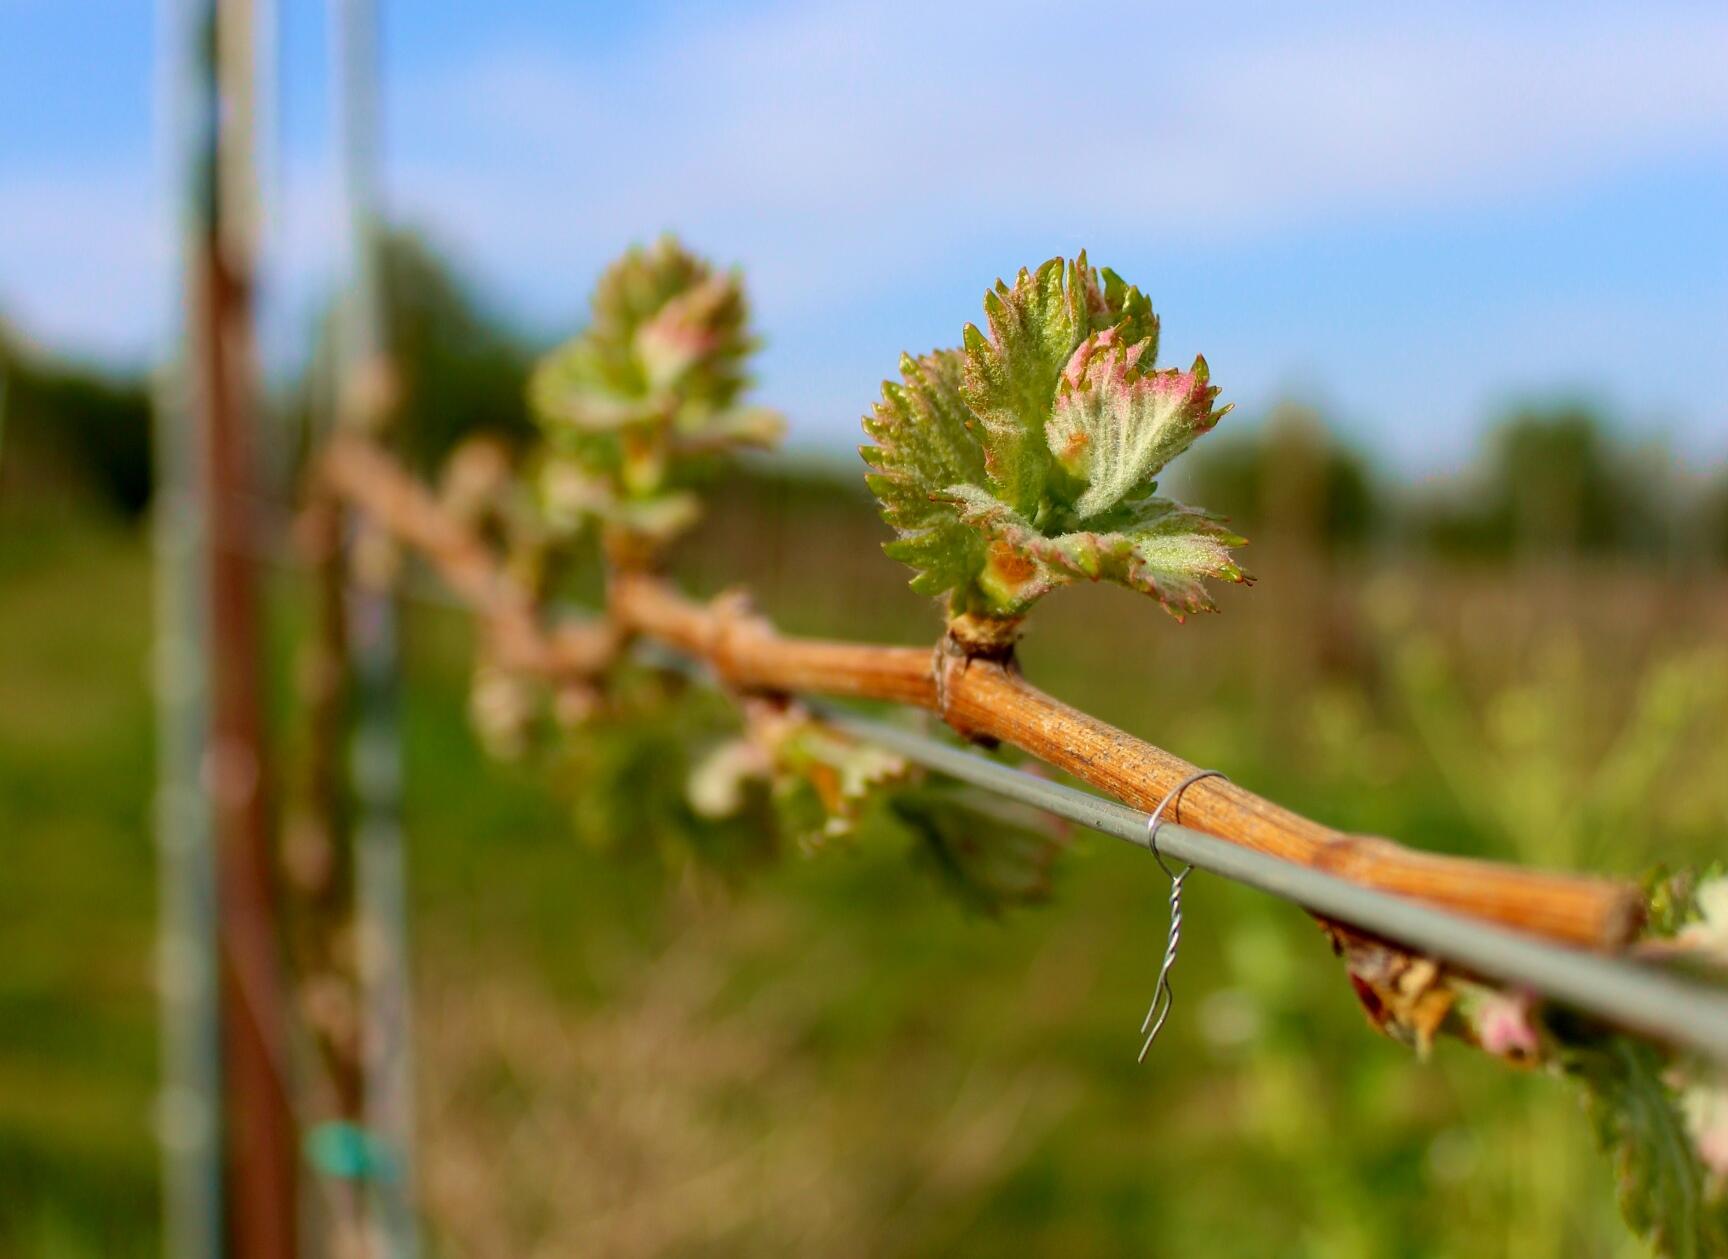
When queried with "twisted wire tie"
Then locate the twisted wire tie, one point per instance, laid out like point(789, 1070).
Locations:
point(1162, 996)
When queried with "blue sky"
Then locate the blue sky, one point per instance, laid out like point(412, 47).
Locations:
point(1410, 216)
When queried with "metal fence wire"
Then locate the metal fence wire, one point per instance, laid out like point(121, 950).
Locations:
point(1638, 996)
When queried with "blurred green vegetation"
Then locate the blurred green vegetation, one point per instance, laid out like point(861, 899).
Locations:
point(72, 431)
point(831, 1057)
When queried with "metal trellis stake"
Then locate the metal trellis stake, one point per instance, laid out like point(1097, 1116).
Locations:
point(364, 382)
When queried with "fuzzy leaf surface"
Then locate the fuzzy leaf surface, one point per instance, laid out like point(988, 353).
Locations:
point(1114, 426)
point(923, 440)
point(1161, 548)
point(1011, 375)
point(1026, 459)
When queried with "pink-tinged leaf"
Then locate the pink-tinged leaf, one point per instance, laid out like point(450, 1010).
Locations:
point(1115, 427)
point(1024, 461)
point(1011, 375)
point(643, 397)
point(639, 283)
point(691, 329)
point(1165, 550)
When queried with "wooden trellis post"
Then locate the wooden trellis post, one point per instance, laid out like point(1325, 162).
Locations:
point(228, 1125)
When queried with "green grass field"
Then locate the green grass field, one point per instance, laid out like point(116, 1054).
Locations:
point(834, 1059)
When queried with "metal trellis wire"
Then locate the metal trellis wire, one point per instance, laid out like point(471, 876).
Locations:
point(1634, 995)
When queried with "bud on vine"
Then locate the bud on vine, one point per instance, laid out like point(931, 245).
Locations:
point(635, 406)
point(821, 780)
point(1028, 458)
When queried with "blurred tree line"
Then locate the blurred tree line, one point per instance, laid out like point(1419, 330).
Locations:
point(1550, 480)
point(70, 431)
point(459, 368)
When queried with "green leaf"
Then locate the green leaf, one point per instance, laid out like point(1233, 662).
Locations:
point(823, 781)
point(757, 428)
point(1011, 376)
point(719, 781)
point(560, 395)
point(1170, 557)
point(924, 443)
point(696, 342)
point(649, 390)
point(1689, 902)
point(660, 518)
point(1114, 427)
point(1126, 309)
point(1661, 1182)
point(1164, 549)
point(1026, 460)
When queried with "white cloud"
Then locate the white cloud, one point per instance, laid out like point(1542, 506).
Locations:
point(838, 146)
point(849, 152)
